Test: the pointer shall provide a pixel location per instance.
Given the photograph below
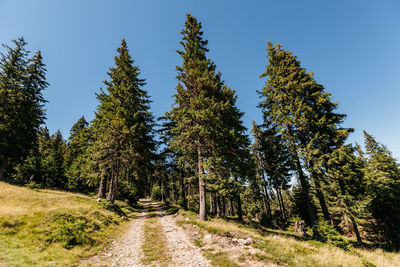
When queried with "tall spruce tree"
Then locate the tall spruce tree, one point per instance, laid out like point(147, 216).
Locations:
point(123, 126)
point(304, 115)
point(22, 81)
point(204, 118)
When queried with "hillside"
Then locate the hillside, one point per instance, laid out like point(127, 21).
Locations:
point(48, 227)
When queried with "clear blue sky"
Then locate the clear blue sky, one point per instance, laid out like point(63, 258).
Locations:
point(353, 47)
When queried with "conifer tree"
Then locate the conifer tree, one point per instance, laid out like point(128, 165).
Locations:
point(204, 118)
point(383, 190)
point(123, 125)
point(304, 116)
point(347, 186)
point(22, 81)
point(77, 155)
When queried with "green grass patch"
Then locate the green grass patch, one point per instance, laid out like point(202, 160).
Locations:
point(54, 228)
point(219, 258)
point(154, 245)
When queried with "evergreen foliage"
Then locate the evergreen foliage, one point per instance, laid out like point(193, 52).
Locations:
point(123, 127)
point(22, 81)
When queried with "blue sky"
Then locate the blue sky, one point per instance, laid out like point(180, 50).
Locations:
point(353, 48)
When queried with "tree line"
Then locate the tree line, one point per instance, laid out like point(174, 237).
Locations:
point(296, 167)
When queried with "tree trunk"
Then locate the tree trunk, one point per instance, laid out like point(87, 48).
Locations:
point(102, 186)
point(269, 213)
point(304, 186)
point(279, 202)
point(162, 191)
point(321, 199)
point(183, 191)
point(223, 202)
point(239, 208)
point(219, 209)
point(231, 207)
point(202, 187)
point(113, 187)
point(283, 205)
point(211, 203)
point(3, 170)
point(353, 221)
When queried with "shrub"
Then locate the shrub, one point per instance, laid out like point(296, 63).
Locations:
point(156, 193)
point(265, 220)
point(327, 233)
point(71, 230)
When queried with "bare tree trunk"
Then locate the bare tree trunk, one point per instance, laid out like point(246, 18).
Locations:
point(223, 206)
point(321, 199)
point(283, 205)
point(219, 208)
point(211, 203)
point(306, 193)
point(353, 221)
point(113, 186)
point(231, 207)
point(279, 202)
point(102, 186)
point(183, 191)
point(269, 213)
point(162, 190)
point(202, 187)
point(239, 208)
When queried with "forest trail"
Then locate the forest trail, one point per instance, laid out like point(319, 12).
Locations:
point(167, 245)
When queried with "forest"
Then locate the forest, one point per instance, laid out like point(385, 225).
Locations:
point(295, 170)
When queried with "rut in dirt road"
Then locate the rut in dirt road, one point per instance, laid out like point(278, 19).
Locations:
point(134, 247)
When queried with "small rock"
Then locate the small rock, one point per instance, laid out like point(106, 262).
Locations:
point(207, 236)
point(275, 237)
point(234, 240)
point(241, 241)
point(249, 241)
point(187, 219)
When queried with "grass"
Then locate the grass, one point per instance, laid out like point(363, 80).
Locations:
point(219, 258)
point(54, 228)
point(154, 245)
point(281, 247)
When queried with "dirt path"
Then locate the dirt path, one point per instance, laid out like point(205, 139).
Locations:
point(127, 250)
point(184, 252)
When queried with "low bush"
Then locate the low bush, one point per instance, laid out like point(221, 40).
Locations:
point(71, 230)
point(156, 193)
point(326, 232)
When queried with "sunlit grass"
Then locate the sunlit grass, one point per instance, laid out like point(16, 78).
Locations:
point(52, 228)
point(154, 247)
point(279, 247)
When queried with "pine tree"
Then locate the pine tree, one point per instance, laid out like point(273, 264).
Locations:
point(383, 190)
point(304, 116)
point(347, 186)
point(206, 126)
point(123, 126)
point(22, 81)
point(77, 155)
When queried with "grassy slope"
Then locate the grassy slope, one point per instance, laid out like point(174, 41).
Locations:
point(47, 227)
point(285, 249)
